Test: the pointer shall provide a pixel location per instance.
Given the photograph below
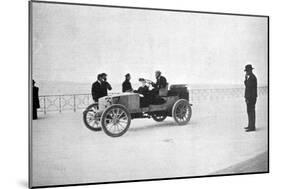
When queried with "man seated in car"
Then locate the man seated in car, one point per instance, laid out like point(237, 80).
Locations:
point(145, 100)
point(152, 96)
point(161, 82)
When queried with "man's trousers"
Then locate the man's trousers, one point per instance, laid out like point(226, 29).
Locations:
point(251, 111)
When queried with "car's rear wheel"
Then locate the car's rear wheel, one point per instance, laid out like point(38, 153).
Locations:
point(158, 118)
point(90, 119)
point(181, 112)
point(115, 120)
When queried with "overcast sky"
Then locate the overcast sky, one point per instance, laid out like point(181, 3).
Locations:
point(75, 43)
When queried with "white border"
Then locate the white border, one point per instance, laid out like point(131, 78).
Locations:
point(14, 119)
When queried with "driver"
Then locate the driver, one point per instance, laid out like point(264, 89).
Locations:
point(152, 96)
point(161, 82)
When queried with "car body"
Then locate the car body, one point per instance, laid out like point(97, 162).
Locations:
point(114, 113)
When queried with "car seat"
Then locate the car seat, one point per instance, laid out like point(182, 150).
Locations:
point(163, 92)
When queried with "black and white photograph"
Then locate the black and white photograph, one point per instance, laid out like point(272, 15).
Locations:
point(121, 94)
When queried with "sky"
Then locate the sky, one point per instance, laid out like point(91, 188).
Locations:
point(75, 43)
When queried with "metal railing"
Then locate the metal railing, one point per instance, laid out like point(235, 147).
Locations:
point(61, 103)
point(197, 95)
point(74, 102)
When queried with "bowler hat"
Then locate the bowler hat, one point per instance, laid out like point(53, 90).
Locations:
point(248, 67)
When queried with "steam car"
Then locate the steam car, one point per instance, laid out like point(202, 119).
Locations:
point(113, 113)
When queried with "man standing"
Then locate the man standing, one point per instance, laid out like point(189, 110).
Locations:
point(250, 96)
point(97, 89)
point(36, 104)
point(126, 85)
point(105, 85)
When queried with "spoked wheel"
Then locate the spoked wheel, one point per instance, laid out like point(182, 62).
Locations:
point(181, 112)
point(90, 119)
point(159, 118)
point(115, 120)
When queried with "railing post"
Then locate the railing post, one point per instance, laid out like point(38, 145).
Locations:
point(44, 106)
point(60, 103)
point(74, 103)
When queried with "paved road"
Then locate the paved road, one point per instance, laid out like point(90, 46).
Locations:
point(66, 152)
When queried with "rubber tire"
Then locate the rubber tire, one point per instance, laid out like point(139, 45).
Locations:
point(85, 118)
point(175, 106)
point(155, 118)
point(103, 120)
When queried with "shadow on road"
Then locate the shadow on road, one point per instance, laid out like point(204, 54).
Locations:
point(257, 164)
point(159, 125)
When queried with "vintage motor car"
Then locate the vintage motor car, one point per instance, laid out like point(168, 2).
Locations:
point(113, 113)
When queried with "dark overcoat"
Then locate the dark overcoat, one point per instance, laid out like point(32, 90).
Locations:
point(161, 82)
point(126, 86)
point(97, 91)
point(104, 87)
point(36, 103)
point(250, 87)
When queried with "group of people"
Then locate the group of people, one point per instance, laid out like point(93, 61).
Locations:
point(152, 96)
point(101, 86)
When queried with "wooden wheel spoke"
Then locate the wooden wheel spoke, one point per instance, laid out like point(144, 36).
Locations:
point(121, 114)
point(110, 125)
point(115, 113)
point(122, 126)
point(123, 121)
point(125, 117)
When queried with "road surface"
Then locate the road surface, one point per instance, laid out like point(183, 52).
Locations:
point(214, 141)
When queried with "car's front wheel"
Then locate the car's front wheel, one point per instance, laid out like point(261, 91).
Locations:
point(115, 120)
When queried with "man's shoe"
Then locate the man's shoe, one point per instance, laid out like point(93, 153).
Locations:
point(249, 130)
point(246, 127)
